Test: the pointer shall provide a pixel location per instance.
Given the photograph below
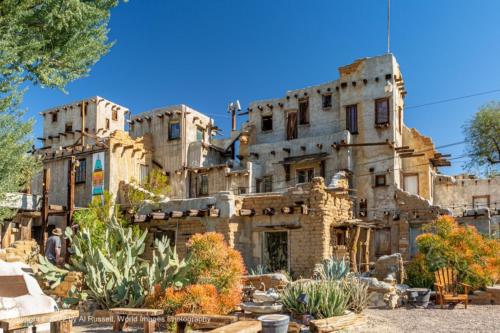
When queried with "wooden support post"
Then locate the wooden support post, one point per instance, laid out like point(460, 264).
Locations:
point(45, 208)
point(367, 250)
point(354, 249)
point(64, 326)
point(71, 200)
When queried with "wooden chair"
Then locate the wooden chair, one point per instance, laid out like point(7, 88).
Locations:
point(446, 287)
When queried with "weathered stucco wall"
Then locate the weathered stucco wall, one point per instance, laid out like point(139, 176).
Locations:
point(458, 192)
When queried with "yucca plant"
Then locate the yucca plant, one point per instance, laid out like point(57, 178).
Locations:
point(331, 269)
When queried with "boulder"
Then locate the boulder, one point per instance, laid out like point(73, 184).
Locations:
point(390, 265)
point(275, 281)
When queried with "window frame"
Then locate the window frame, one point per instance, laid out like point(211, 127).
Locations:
point(484, 196)
point(383, 183)
point(330, 104)
point(411, 174)
point(348, 124)
point(54, 117)
point(267, 184)
point(170, 124)
point(200, 134)
point(303, 114)
point(114, 115)
point(378, 121)
point(107, 124)
point(266, 119)
point(68, 129)
point(81, 175)
point(203, 186)
point(309, 175)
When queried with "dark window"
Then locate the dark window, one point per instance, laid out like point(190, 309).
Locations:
point(305, 175)
point(382, 111)
point(242, 190)
point(304, 111)
point(363, 207)
point(174, 131)
point(291, 126)
point(267, 123)
point(258, 185)
point(114, 115)
point(107, 123)
point(327, 101)
point(203, 188)
point(81, 171)
point(54, 117)
point(267, 183)
point(199, 134)
point(380, 180)
point(68, 127)
point(351, 117)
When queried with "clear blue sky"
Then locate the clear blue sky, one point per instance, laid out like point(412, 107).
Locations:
point(207, 53)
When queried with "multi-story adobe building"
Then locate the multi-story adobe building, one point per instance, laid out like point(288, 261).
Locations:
point(266, 198)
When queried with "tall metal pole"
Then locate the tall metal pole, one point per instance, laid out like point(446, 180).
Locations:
point(388, 26)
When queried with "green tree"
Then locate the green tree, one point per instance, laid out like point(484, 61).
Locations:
point(482, 135)
point(47, 43)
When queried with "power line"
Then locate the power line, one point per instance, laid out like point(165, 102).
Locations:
point(452, 99)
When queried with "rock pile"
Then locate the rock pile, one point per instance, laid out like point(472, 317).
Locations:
point(20, 251)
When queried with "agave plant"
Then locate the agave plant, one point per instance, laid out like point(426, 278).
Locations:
point(331, 269)
point(259, 270)
point(321, 298)
point(51, 273)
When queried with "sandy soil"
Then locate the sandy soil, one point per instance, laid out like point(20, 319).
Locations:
point(477, 319)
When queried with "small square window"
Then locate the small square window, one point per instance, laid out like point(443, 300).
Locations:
point(54, 117)
point(305, 175)
point(327, 101)
point(267, 123)
point(68, 128)
point(242, 190)
point(114, 115)
point(380, 180)
point(174, 131)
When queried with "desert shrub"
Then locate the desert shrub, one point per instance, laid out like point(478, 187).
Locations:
point(212, 261)
point(214, 273)
point(418, 274)
point(195, 298)
point(320, 298)
point(475, 257)
point(331, 269)
point(358, 294)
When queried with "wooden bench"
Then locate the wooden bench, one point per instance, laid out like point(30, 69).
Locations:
point(148, 316)
point(202, 321)
point(60, 322)
point(244, 326)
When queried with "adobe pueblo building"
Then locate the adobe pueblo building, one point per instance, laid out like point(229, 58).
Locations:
point(320, 171)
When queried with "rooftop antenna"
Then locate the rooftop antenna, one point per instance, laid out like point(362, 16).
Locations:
point(388, 26)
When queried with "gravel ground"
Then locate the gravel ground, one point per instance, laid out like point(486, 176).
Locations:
point(476, 319)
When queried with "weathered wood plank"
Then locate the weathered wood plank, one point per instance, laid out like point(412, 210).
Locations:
point(334, 324)
point(244, 326)
point(44, 318)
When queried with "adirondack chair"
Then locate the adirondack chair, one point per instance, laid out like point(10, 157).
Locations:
point(446, 287)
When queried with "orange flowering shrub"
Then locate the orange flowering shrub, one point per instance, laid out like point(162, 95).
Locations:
point(477, 258)
point(195, 298)
point(215, 271)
